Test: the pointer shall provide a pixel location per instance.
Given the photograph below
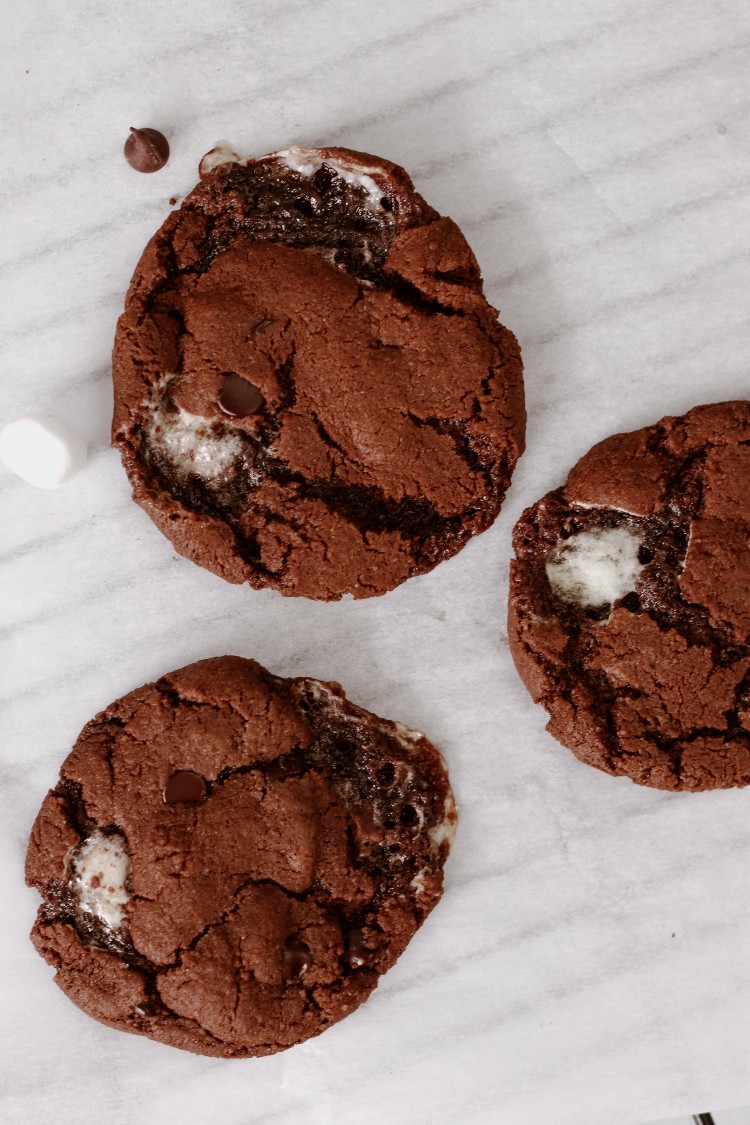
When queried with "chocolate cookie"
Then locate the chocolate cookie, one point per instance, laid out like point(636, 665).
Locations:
point(311, 391)
point(230, 860)
point(630, 602)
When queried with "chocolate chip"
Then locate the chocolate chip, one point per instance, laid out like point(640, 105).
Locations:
point(297, 958)
point(360, 956)
point(184, 786)
point(238, 397)
point(146, 150)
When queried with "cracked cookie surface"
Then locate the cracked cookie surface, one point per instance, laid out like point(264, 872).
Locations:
point(629, 615)
point(311, 391)
point(230, 860)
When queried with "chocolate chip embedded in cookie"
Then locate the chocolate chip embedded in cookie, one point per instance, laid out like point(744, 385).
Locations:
point(230, 860)
point(311, 391)
point(630, 602)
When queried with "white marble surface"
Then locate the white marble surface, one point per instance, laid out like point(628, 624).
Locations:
point(589, 963)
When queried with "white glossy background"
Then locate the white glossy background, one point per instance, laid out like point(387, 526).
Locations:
point(590, 961)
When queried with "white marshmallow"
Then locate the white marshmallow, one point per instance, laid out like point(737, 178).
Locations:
point(595, 567)
point(221, 153)
point(418, 881)
point(194, 444)
point(42, 450)
point(306, 161)
point(445, 830)
point(100, 867)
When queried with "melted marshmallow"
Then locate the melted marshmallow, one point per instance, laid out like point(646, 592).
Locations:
point(192, 443)
point(418, 881)
point(99, 868)
point(221, 153)
point(445, 830)
point(307, 161)
point(595, 567)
